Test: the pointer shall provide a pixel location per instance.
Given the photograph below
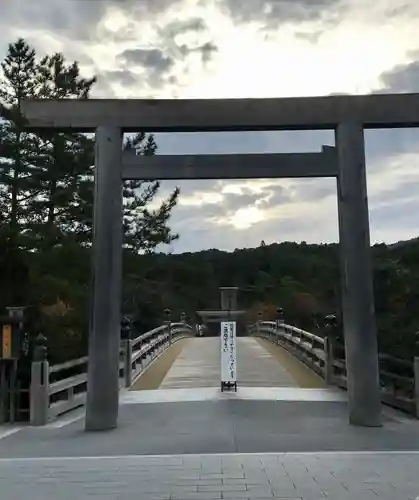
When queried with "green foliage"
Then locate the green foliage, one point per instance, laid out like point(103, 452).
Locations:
point(16, 145)
point(302, 279)
point(46, 201)
point(145, 229)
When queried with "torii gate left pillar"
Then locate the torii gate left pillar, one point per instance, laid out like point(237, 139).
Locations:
point(105, 307)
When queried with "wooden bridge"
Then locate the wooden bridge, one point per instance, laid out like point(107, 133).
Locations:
point(171, 357)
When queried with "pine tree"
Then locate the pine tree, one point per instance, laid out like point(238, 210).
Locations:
point(64, 159)
point(145, 229)
point(47, 179)
point(16, 146)
point(46, 195)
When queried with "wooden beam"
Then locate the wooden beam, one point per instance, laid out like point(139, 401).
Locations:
point(230, 166)
point(171, 115)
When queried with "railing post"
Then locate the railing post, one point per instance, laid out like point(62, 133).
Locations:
point(259, 323)
point(39, 397)
point(328, 360)
point(169, 331)
point(161, 343)
point(168, 313)
point(128, 363)
point(277, 330)
point(278, 322)
point(416, 371)
point(153, 346)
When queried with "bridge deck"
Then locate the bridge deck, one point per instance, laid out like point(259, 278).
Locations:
point(198, 365)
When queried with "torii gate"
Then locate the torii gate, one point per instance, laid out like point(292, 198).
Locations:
point(347, 115)
point(228, 304)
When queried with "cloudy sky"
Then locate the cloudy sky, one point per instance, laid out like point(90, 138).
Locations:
point(249, 48)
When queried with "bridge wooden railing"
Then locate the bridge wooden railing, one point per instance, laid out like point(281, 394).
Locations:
point(59, 388)
point(399, 378)
point(141, 351)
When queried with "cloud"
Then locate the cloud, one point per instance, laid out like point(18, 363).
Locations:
point(244, 199)
point(404, 191)
point(161, 59)
point(79, 18)
point(194, 24)
point(142, 66)
point(403, 78)
point(311, 36)
point(280, 11)
point(395, 221)
point(276, 194)
point(206, 50)
point(308, 190)
point(126, 78)
point(150, 58)
point(201, 230)
point(248, 48)
point(189, 36)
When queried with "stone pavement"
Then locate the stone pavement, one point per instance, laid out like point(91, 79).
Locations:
point(312, 476)
point(198, 365)
point(217, 426)
point(198, 443)
point(261, 394)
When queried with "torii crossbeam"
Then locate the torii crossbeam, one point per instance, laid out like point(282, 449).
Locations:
point(230, 166)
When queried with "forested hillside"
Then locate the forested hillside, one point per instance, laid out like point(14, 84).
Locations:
point(302, 279)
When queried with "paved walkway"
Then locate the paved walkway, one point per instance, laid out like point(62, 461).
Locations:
point(229, 424)
point(271, 439)
point(313, 476)
point(198, 365)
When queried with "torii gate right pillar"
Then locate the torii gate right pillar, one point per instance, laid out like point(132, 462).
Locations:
point(356, 275)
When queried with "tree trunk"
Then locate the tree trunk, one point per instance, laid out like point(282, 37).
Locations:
point(52, 189)
point(13, 222)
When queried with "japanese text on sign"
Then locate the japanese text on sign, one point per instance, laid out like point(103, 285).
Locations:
point(228, 352)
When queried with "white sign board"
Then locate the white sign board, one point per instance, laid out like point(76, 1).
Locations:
point(228, 352)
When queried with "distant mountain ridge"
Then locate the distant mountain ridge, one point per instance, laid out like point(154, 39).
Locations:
point(404, 242)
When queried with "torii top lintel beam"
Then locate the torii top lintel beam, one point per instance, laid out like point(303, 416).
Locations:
point(194, 115)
